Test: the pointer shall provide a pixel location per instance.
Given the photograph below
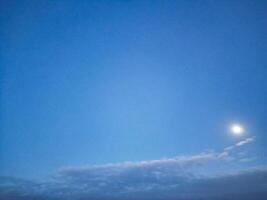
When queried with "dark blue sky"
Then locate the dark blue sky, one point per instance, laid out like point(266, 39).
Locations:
point(97, 82)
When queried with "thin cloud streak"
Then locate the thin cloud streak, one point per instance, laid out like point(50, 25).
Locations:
point(241, 143)
point(246, 141)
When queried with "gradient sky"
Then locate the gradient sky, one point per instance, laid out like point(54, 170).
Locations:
point(97, 82)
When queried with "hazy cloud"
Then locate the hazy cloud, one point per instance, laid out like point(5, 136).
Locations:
point(245, 185)
point(180, 177)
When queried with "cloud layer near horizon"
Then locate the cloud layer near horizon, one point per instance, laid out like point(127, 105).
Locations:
point(182, 177)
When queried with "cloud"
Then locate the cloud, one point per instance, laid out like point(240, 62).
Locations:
point(229, 148)
point(190, 177)
point(246, 141)
point(241, 143)
point(127, 177)
point(246, 185)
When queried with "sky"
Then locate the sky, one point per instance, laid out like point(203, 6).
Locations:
point(115, 99)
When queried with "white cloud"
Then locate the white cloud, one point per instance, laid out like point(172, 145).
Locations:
point(229, 148)
point(241, 143)
point(246, 141)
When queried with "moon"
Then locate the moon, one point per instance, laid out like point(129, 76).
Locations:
point(237, 129)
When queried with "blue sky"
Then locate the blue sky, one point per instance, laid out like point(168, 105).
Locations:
point(87, 83)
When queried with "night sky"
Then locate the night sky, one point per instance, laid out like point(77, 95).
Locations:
point(118, 100)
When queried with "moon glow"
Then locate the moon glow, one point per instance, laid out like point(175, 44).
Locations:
point(237, 129)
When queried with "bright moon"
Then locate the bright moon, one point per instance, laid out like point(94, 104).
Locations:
point(237, 129)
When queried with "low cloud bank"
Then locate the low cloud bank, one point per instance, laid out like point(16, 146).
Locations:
point(177, 178)
point(245, 185)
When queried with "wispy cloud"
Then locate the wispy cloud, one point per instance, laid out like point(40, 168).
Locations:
point(246, 141)
point(241, 143)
